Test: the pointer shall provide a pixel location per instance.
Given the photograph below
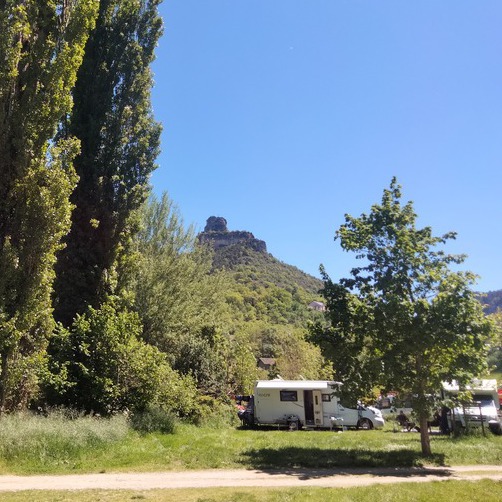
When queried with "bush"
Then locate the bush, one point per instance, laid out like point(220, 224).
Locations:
point(216, 414)
point(101, 364)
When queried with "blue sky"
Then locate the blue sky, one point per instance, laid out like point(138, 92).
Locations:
point(283, 115)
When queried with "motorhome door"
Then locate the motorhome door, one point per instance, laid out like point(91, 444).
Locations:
point(313, 407)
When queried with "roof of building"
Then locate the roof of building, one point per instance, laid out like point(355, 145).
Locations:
point(267, 360)
point(297, 384)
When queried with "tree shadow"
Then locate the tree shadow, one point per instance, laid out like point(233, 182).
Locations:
point(317, 462)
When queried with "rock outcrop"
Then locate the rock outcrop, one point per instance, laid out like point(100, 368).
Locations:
point(218, 236)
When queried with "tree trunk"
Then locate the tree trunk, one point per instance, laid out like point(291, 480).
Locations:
point(424, 437)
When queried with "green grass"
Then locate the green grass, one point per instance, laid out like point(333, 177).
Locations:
point(30, 445)
point(479, 491)
point(30, 442)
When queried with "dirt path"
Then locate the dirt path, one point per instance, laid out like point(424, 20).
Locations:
point(249, 478)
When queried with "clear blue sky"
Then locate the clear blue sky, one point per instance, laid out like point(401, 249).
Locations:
point(283, 115)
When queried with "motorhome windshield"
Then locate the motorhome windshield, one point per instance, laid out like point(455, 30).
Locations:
point(483, 399)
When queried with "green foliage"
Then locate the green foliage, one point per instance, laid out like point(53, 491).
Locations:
point(495, 353)
point(404, 320)
point(492, 301)
point(179, 302)
point(177, 394)
point(268, 307)
point(295, 357)
point(113, 120)
point(242, 368)
point(41, 48)
point(216, 413)
point(173, 289)
point(106, 365)
point(261, 288)
point(242, 258)
point(204, 356)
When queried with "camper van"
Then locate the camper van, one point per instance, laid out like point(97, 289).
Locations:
point(392, 404)
point(481, 411)
point(305, 403)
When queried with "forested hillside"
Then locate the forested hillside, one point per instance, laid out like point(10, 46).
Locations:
point(268, 303)
point(264, 288)
point(492, 301)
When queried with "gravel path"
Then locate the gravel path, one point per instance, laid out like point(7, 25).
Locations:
point(250, 478)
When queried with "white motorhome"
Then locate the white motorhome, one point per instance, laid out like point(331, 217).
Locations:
point(391, 405)
point(481, 410)
point(305, 403)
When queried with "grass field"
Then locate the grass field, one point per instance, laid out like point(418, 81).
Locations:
point(30, 445)
point(479, 491)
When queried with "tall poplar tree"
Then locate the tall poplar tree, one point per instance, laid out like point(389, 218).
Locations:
point(119, 138)
point(41, 48)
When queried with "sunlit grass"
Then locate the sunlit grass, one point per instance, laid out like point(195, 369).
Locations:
point(55, 445)
point(35, 441)
point(478, 491)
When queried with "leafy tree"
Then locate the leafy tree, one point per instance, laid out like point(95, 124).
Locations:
point(295, 356)
point(242, 367)
point(180, 303)
point(495, 353)
point(404, 319)
point(119, 138)
point(203, 355)
point(41, 49)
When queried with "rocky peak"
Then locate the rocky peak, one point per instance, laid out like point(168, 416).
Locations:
point(217, 234)
point(216, 224)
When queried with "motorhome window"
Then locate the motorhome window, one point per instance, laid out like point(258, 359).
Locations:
point(289, 395)
point(385, 403)
point(326, 397)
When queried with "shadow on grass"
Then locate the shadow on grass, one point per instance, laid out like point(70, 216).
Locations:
point(396, 463)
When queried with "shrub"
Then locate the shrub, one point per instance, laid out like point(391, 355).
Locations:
point(101, 364)
point(216, 414)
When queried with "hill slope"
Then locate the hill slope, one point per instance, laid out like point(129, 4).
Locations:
point(261, 288)
point(492, 301)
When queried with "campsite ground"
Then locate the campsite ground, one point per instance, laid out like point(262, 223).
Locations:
point(473, 483)
point(93, 460)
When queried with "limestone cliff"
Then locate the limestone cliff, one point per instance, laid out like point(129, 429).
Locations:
point(218, 236)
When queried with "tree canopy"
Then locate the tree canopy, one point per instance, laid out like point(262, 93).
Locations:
point(404, 320)
point(41, 48)
point(113, 120)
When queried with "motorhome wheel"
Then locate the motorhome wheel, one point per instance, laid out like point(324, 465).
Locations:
point(293, 425)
